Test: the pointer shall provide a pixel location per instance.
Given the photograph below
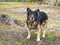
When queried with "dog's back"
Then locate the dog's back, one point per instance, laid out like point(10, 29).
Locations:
point(42, 16)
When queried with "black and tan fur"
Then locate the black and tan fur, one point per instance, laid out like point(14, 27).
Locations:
point(36, 20)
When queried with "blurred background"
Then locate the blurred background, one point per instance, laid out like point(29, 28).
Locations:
point(52, 2)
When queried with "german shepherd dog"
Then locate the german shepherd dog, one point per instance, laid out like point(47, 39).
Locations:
point(36, 20)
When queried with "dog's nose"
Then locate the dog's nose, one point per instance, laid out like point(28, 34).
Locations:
point(32, 18)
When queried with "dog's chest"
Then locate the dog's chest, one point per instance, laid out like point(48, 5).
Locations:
point(32, 25)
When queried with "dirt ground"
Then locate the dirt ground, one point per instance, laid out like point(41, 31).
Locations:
point(17, 36)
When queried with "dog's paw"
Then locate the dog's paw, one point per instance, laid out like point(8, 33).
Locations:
point(38, 39)
point(43, 36)
point(28, 37)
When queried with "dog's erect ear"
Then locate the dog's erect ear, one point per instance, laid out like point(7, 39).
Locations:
point(37, 10)
point(28, 10)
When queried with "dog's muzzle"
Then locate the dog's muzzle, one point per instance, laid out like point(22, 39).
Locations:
point(32, 18)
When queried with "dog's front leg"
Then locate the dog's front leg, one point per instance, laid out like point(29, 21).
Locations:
point(29, 34)
point(38, 33)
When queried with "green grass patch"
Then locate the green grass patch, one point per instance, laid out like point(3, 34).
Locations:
point(50, 36)
point(58, 3)
point(18, 43)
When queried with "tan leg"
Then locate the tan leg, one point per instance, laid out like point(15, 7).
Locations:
point(44, 28)
point(46, 23)
point(29, 34)
point(38, 33)
point(44, 34)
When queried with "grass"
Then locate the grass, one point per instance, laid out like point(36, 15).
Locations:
point(58, 3)
point(5, 43)
point(54, 23)
point(17, 4)
point(50, 36)
point(18, 43)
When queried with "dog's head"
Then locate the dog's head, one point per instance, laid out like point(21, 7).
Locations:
point(32, 15)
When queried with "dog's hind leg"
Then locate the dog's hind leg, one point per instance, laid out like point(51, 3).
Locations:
point(29, 34)
point(46, 22)
point(43, 30)
point(44, 26)
point(44, 34)
point(38, 33)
